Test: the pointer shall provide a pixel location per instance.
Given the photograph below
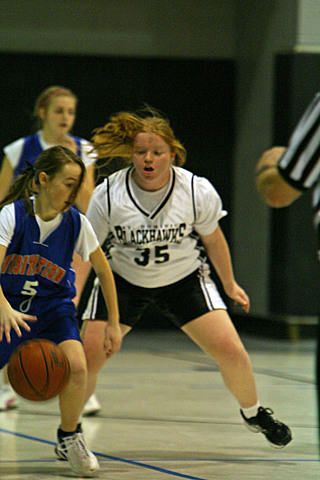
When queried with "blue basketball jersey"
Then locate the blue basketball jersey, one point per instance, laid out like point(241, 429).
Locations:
point(32, 149)
point(34, 269)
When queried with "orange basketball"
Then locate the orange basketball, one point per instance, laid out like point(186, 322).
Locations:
point(38, 370)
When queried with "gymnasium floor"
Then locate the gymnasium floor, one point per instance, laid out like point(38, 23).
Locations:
point(167, 416)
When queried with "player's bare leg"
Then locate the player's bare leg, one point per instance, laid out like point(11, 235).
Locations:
point(71, 399)
point(215, 334)
point(217, 337)
point(71, 445)
point(92, 334)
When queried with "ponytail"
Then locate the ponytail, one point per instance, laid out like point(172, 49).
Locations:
point(23, 187)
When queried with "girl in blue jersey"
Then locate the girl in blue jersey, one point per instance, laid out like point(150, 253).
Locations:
point(150, 216)
point(55, 113)
point(39, 232)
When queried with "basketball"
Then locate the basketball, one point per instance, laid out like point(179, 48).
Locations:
point(38, 370)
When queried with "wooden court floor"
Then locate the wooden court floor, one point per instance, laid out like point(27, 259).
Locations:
point(167, 416)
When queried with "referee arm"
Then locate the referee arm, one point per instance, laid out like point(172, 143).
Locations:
point(271, 186)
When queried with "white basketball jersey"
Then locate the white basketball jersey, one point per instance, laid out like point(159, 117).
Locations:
point(159, 247)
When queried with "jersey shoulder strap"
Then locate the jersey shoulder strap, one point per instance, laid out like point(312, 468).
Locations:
point(78, 142)
point(30, 152)
point(72, 216)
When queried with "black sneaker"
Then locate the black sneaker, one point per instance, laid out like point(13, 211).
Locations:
point(277, 433)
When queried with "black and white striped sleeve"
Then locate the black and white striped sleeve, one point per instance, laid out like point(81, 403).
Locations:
point(300, 164)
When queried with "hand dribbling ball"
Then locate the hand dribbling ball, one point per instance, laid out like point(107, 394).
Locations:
point(38, 370)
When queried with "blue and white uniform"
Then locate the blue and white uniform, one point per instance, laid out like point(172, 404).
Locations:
point(36, 275)
point(29, 148)
point(152, 244)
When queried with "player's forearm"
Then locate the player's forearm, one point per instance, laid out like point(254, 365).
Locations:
point(219, 254)
point(221, 260)
point(109, 291)
point(6, 177)
point(82, 270)
point(107, 283)
point(86, 190)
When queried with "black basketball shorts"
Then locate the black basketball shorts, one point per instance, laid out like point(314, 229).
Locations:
point(181, 302)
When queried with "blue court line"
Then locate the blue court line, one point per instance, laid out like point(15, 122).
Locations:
point(164, 470)
point(123, 460)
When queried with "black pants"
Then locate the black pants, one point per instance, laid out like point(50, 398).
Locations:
point(318, 376)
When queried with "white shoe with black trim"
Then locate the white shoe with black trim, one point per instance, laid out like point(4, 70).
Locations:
point(74, 449)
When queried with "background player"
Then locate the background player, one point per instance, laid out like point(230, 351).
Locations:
point(38, 236)
point(54, 113)
point(151, 216)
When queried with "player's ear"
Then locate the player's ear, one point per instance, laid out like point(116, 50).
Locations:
point(173, 156)
point(42, 113)
point(43, 179)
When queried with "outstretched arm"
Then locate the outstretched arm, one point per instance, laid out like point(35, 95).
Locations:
point(219, 255)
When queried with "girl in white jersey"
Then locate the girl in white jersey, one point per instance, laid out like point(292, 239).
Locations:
point(150, 216)
point(38, 235)
point(55, 113)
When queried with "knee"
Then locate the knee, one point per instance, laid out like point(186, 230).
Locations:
point(78, 369)
point(95, 355)
point(93, 349)
point(233, 352)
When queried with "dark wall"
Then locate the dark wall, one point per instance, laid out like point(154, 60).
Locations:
point(198, 96)
point(294, 269)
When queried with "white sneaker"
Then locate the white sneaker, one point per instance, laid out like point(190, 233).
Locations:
point(8, 398)
point(81, 460)
point(59, 452)
point(92, 407)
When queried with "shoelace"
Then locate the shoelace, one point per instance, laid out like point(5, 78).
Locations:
point(82, 446)
point(72, 440)
point(267, 419)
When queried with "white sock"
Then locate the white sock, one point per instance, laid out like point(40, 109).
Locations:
point(251, 411)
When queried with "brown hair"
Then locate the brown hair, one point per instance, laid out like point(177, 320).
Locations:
point(50, 161)
point(115, 140)
point(44, 99)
